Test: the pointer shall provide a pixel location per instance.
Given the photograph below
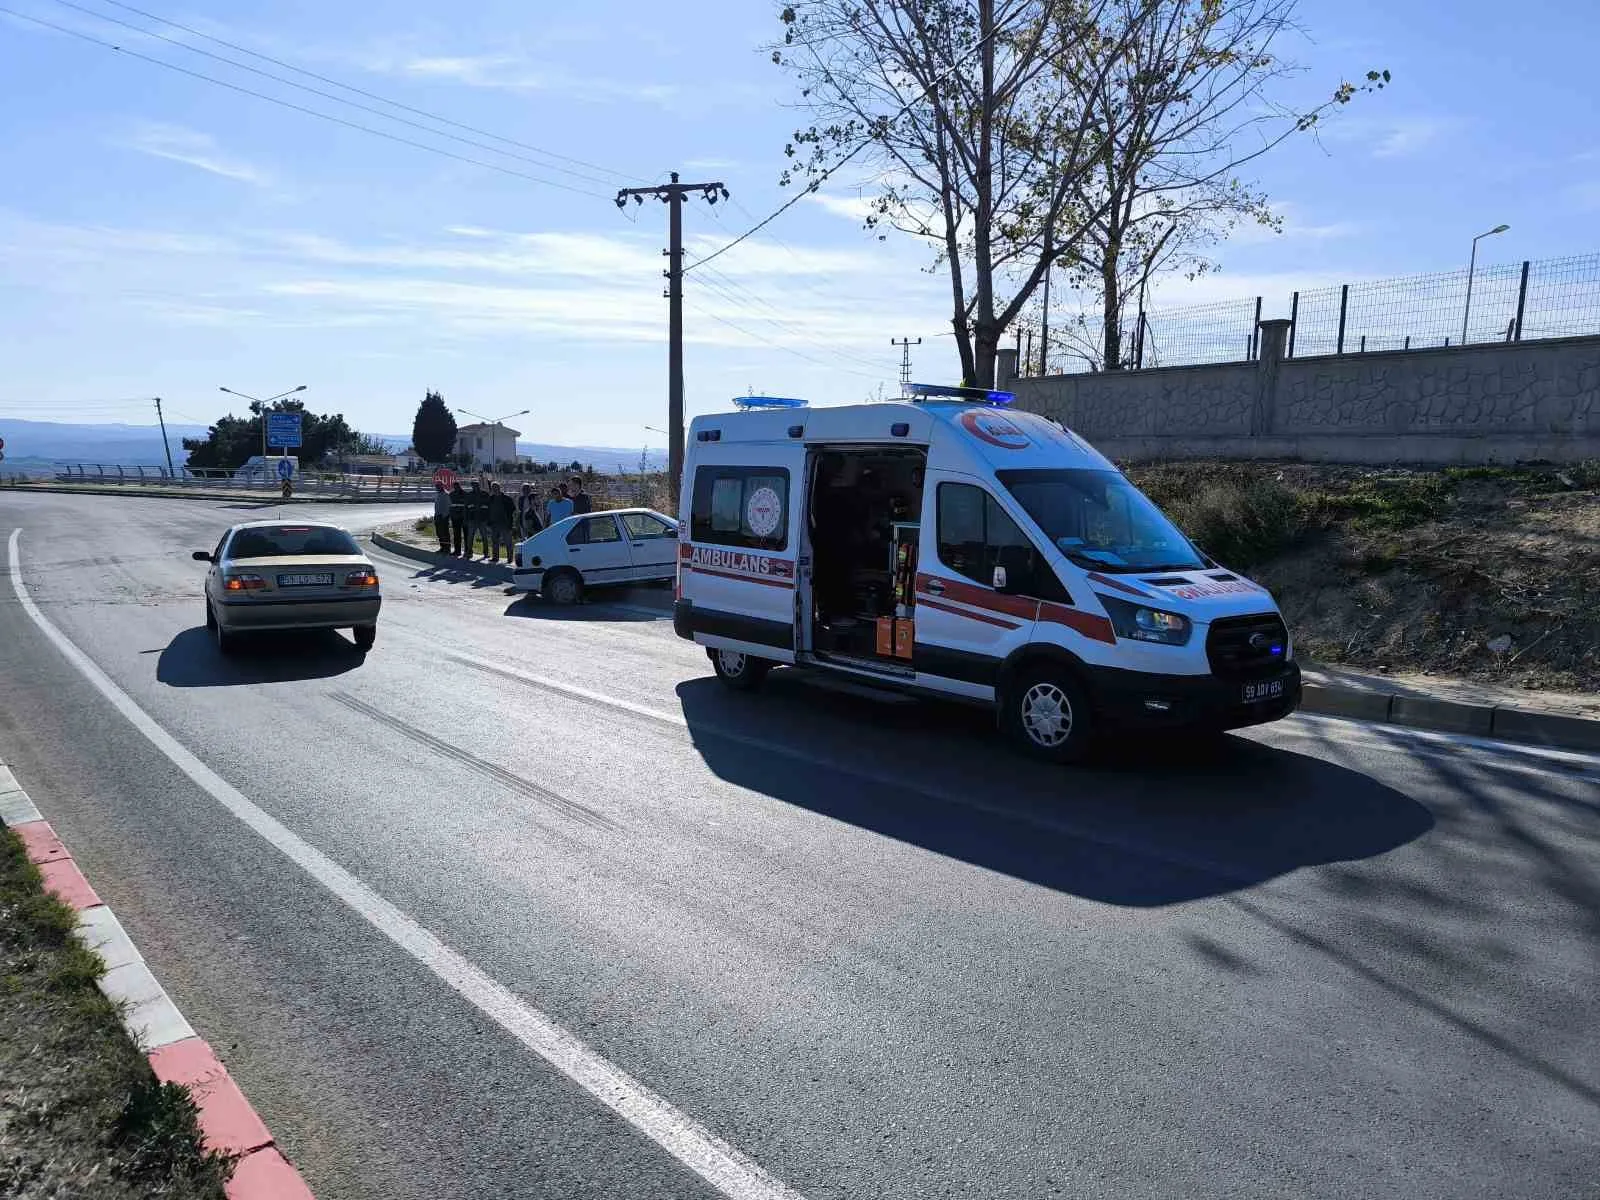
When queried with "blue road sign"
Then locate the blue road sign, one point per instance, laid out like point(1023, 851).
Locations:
point(283, 429)
point(286, 468)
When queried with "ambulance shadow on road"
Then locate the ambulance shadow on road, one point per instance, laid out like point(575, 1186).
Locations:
point(1142, 825)
point(192, 659)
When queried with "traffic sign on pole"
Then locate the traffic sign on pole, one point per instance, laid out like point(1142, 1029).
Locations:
point(286, 468)
point(445, 476)
point(283, 430)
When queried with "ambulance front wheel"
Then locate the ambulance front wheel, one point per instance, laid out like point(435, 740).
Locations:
point(739, 670)
point(1046, 714)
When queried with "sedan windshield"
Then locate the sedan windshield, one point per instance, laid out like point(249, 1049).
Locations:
point(1100, 520)
point(291, 541)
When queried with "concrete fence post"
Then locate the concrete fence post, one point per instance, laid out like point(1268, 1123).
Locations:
point(1005, 369)
point(1274, 336)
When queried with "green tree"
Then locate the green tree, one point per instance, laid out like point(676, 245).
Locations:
point(232, 441)
point(433, 433)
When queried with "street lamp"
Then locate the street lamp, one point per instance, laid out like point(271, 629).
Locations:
point(1472, 266)
point(494, 438)
point(263, 403)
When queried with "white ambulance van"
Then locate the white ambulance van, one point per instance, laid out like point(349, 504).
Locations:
point(948, 546)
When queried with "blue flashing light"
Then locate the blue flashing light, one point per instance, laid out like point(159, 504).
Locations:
point(749, 402)
point(930, 391)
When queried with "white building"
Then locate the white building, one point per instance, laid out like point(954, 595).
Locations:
point(488, 444)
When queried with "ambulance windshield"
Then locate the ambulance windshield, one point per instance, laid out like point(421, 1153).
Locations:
point(1100, 520)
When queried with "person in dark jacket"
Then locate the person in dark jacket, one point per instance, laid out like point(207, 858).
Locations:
point(502, 515)
point(458, 519)
point(581, 502)
point(477, 519)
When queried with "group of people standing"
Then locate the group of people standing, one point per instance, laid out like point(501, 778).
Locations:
point(462, 516)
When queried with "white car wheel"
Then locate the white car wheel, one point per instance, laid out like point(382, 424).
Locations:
point(1048, 715)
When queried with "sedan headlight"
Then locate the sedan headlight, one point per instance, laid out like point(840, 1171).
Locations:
point(1141, 623)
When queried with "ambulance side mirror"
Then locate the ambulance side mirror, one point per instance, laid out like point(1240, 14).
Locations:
point(1000, 579)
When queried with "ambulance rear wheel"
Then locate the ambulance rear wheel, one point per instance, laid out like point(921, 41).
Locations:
point(1046, 714)
point(739, 670)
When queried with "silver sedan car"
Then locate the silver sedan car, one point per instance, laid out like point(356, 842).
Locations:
point(277, 575)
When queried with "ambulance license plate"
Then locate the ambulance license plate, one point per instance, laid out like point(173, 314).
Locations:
point(1271, 689)
point(305, 580)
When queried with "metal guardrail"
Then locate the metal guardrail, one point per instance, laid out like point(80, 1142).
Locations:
point(418, 486)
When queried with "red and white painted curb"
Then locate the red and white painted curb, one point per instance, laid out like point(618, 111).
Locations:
point(177, 1054)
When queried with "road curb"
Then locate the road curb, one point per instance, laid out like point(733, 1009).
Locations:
point(228, 1122)
point(432, 557)
point(1502, 721)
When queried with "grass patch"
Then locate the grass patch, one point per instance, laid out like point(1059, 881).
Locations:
point(82, 1117)
point(425, 526)
point(1238, 515)
point(1381, 504)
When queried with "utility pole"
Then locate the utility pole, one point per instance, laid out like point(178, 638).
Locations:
point(673, 195)
point(171, 474)
point(1044, 323)
point(905, 345)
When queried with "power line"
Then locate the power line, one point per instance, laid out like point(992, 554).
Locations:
point(779, 319)
point(421, 112)
point(817, 183)
point(377, 112)
point(310, 112)
point(775, 345)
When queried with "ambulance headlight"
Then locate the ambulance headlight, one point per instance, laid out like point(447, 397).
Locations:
point(1141, 623)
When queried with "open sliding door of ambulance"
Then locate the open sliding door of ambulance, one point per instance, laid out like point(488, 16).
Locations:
point(737, 568)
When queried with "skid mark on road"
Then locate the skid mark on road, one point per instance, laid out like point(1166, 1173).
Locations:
point(609, 703)
point(506, 779)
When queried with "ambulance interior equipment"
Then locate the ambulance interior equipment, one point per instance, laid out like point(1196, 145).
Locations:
point(864, 522)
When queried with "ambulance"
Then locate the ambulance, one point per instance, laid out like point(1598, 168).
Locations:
point(950, 546)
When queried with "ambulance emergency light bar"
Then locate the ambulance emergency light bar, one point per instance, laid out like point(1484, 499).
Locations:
point(940, 391)
point(749, 402)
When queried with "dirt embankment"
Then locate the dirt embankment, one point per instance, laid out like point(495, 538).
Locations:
point(1486, 573)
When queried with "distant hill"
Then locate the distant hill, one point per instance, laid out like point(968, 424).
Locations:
point(40, 444)
point(43, 442)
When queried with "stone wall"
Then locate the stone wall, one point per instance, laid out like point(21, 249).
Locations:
point(1496, 402)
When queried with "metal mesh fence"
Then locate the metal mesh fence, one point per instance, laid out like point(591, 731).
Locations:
point(1558, 297)
point(1204, 333)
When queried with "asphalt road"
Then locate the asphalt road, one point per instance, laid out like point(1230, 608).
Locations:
point(856, 939)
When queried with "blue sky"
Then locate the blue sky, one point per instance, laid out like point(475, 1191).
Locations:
point(165, 236)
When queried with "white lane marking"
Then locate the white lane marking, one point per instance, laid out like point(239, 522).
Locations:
point(1391, 737)
point(728, 1170)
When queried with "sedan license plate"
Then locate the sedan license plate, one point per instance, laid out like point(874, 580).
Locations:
point(324, 580)
point(1271, 689)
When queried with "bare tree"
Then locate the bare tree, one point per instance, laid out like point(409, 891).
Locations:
point(1187, 106)
point(978, 135)
point(1015, 134)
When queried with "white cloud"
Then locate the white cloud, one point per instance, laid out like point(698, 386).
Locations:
point(854, 208)
point(1390, 137)
point(1298, 226)
point(506, 72)
point(829, 306)
point(193, 149)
